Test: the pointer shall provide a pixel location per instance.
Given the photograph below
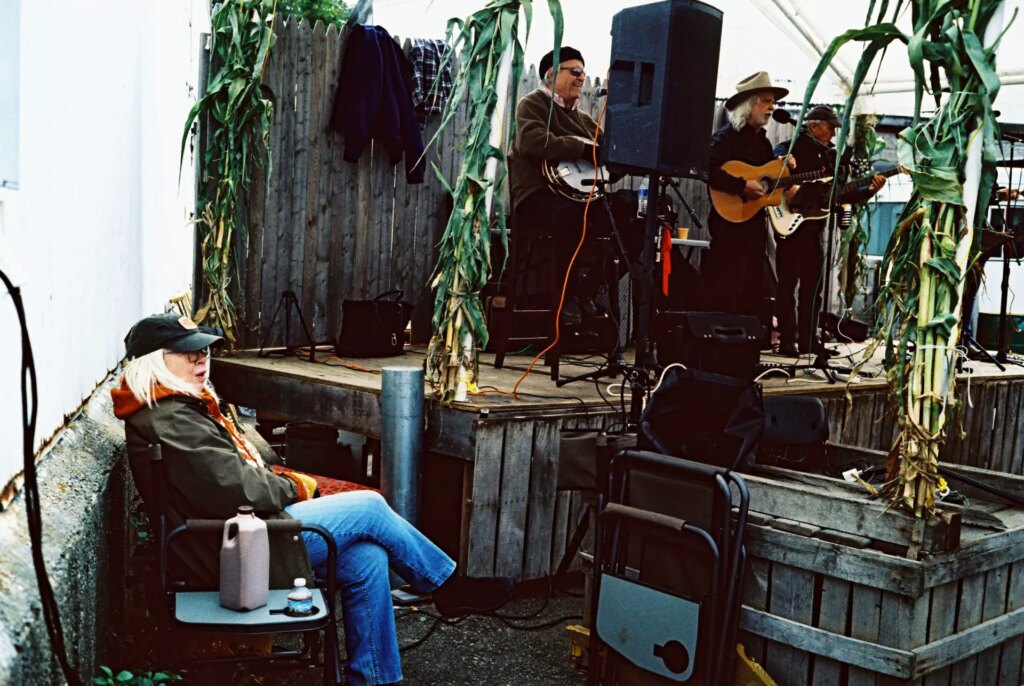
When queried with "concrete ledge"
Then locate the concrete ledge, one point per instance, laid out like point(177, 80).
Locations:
point(82, 483)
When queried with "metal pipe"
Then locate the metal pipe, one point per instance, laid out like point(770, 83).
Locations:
point(401, 437)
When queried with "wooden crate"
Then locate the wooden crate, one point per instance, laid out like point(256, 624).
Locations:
point(832, 598)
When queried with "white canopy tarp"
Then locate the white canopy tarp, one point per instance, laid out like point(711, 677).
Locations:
point(783, 37)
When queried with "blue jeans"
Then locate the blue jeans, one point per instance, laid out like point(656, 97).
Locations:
point(370, 537)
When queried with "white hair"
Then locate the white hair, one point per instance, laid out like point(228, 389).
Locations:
point(144, 374)
point(738, 115)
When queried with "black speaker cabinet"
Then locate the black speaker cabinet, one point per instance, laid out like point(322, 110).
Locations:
point(661, 88)
point(717, 342)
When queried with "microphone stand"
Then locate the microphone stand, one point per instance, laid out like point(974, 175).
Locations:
point(616, 363)
point(697, 224)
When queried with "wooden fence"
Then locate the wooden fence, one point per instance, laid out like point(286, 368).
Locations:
point(328, 229)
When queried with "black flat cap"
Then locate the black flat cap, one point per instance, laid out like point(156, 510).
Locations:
point(171, 332)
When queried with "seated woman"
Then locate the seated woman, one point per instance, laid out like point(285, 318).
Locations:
point(210, 468)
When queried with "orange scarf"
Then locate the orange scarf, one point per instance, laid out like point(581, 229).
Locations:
point(126, 404)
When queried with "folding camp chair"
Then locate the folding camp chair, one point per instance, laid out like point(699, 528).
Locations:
point(645, 631)
point(701, 495)
point(200, 610)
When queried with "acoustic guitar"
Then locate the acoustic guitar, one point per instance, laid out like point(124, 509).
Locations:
point(785, 221)
point(774, 178)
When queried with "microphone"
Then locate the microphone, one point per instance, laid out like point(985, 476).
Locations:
point(783, 117)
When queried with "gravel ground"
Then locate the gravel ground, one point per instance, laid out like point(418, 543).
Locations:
point(476, 651)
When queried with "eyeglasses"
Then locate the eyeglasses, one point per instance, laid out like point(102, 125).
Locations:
point(196, 356)
point(575, 71)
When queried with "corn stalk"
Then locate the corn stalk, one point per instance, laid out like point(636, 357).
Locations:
point(483, 41)
point(234, 115)
point(951, 158)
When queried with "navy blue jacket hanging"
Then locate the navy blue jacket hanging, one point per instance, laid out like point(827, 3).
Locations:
point(374, 101)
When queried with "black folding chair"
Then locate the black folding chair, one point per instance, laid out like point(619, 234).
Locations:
point(200, 610)
point(648, 630)
point(702, 495)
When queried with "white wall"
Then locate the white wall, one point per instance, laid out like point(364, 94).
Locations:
point(98, 223)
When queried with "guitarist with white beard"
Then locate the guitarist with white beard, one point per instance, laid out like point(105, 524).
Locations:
point(733, 271)
point(800, 257)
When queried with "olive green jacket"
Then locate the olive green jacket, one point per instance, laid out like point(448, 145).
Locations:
point(205, 478)
point(535, 141)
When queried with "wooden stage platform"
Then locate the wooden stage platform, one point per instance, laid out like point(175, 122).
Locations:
point(489, 491)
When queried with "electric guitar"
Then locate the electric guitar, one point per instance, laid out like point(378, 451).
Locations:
point(785, 221)
point(774, 178)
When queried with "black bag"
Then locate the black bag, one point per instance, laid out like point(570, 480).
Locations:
point(704, 417)
point(373, 328)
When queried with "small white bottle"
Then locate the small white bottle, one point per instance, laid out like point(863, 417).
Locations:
point(300, 600)
point(641, 198)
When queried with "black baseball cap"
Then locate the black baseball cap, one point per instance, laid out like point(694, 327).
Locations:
point(823, 113)
point(171, 332)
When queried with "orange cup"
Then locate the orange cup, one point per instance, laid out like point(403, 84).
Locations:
point(683, 233)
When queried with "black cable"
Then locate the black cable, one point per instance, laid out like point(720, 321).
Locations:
point(51, 613)
point(539, 627)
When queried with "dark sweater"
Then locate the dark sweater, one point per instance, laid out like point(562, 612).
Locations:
point(810, 155)
point(374, 100)
point(535, 142)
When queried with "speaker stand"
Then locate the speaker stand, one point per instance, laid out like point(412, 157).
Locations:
point(645, 362)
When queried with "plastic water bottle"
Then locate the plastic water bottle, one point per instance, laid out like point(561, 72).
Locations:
point(244, 562)
point(641, 199)
point(300, 600)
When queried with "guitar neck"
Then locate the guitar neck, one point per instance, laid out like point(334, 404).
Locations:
point(866, 181)
point(800, 178)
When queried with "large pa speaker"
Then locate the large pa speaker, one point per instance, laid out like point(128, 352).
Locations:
point(661, 88)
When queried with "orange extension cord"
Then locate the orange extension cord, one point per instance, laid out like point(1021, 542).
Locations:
point(565, 283)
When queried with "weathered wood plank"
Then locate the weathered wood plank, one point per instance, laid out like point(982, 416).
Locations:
point(942, 623)
point(848, 564)
point(1008, 426)
point(972, 597)
point(845, 649)
point(993, 606)
point(560, 527)
point(1017, 449)
point(957, 648)
point(515, 494)
point(1013, 649)
point(483, 523)
point(844, 512)
point(865, 613)
point(301, 163)
point(833, 615)
point(279, 250)
point(543, 476)
point(310, 227)
point(903, 624)
point(790, 598)
point(755, 596)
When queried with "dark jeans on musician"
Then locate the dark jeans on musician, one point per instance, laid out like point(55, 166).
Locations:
point(545, 211)
point(799, 262)
point(733, 269)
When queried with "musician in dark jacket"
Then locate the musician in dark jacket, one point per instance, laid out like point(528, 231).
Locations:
point(564, 136)
point(800, 257)
point(733, 269)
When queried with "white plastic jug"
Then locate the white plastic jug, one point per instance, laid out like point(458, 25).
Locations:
point(244, 562)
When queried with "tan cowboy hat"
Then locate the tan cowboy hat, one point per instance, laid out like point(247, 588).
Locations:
point(753, 83)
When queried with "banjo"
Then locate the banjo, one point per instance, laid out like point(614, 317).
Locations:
point(575, 180)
